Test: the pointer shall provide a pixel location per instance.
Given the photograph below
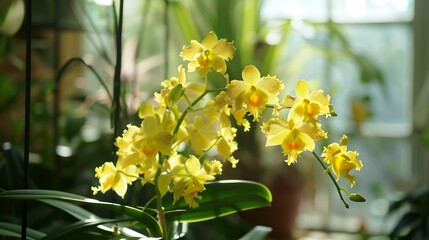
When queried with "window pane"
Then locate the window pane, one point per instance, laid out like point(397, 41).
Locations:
point(373, 10)
point(389, 48)
point(293, 9)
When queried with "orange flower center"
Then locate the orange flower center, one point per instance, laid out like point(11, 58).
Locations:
point(202, 60)
point(149, 151)
point(293, 146)
point(255, 100)
point(310, 111)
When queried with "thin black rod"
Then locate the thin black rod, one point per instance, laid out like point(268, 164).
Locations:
point(28, 18)
point(116, 103)
point(56, 93)
point(117, 76)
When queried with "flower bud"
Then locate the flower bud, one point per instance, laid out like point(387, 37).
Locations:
point(356, 197)
point(175, 93)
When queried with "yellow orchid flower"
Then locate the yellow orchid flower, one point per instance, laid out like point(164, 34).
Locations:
point(127, 152)
point(138, 146)
point(253, 92)
point(293, 138)
point(148, 170)
point(115, 178)
point(341, 160)
point(307, 106)
point(189, 179)
point(172, 89)
point(174, 170)
point(190, 194)
point(145, 109)
point(176, 94)
point(226, 145)
point(202, 133)
point(198, 176)
point(156, 135)
point(218, 108)
point(210, 53)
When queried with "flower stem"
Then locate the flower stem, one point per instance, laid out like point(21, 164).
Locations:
point(182, 117)
point(160, 208)
point(161, 215)
point(333, 179)
point(345, 191)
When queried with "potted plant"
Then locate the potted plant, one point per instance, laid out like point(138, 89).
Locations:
point(184, 140)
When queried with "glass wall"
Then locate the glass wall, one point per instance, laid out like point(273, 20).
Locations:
point(375, 110)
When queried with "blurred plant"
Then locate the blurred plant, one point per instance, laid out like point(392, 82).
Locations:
point(414, 216)
point(360, 110)
point(11, 18)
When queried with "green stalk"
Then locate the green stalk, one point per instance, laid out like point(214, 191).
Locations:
point(159, 206)
point(179, 122)
point(116, 104)
point(332, 178)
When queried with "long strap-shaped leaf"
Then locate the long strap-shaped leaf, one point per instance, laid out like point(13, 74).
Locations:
point(83, 214)
point(14, 230)
point(36, 194)
point(220, 198)
point(78, 227)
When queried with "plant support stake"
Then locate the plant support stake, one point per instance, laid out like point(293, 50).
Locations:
point(27, 114)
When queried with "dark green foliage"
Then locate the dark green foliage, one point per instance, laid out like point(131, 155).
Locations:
point(414, 223)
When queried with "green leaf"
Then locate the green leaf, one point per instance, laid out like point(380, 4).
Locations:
point(221, 198)
point(4, 10)
point(81, 214)
point(37, 194)
point(78, 227)
point(248, 30)
point(8, 89)
point(257, 233)
point(408, 221)
point(71, 209)
point(95, 236)
point(274, 53)
point(14, 230)
point(182, 17)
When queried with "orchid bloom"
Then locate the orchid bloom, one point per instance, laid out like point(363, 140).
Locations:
point(293, 138)
point(307, 106)
point(115, 178)
point(210, 53)
point(341, 160)
point(253, 92)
